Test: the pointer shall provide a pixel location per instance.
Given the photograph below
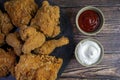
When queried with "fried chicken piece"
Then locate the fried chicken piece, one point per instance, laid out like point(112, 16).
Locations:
point(7, 62)
point(56, 31)
point(5, 23)
point(49, 46)
point(47, 18)
point(45, 72)
point(27, 31)
point(13, 40)
point(33, 39)
point(20, 11)
point(2, 36)
point(37, 67)
point(5, 26)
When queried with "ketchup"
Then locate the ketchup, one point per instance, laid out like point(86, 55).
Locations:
point(89, 21)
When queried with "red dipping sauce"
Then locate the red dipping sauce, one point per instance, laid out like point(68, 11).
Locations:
point(89, 21)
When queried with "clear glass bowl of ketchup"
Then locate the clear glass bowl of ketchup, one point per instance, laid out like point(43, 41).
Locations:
point(89, 20)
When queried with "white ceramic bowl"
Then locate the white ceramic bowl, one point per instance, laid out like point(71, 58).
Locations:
point(101, 55)
point(101, 16)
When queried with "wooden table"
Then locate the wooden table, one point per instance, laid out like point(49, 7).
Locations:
point(109, 68)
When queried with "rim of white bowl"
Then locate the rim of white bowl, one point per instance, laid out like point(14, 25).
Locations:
point(101, 56)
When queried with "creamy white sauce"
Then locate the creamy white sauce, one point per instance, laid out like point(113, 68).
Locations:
point(89, 52)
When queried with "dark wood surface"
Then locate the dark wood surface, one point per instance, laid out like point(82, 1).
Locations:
point(109, 68)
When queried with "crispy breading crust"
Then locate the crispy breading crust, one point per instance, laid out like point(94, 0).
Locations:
point(20, 11)
point(50, 45)
point(47, 18)
point(13, 40)
point(7, 62)
point(5, 23)
point(5, 26)
point(56, 31)
point(31, 67)
point(30, 37)
point(2, 36)
point(33, 39)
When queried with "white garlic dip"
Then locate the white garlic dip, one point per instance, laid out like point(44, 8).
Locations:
point(88, 52)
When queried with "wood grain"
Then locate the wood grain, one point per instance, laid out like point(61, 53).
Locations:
point(78, 3)
point(110, 34)
point(109, 68)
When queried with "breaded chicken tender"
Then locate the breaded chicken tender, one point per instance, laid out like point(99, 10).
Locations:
point(37, 67)
point(7, 62)
point(5, 23)
point(50, 45)
point(12, 39)
point(33, 39)
point(47, 19)
point(20, 11)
